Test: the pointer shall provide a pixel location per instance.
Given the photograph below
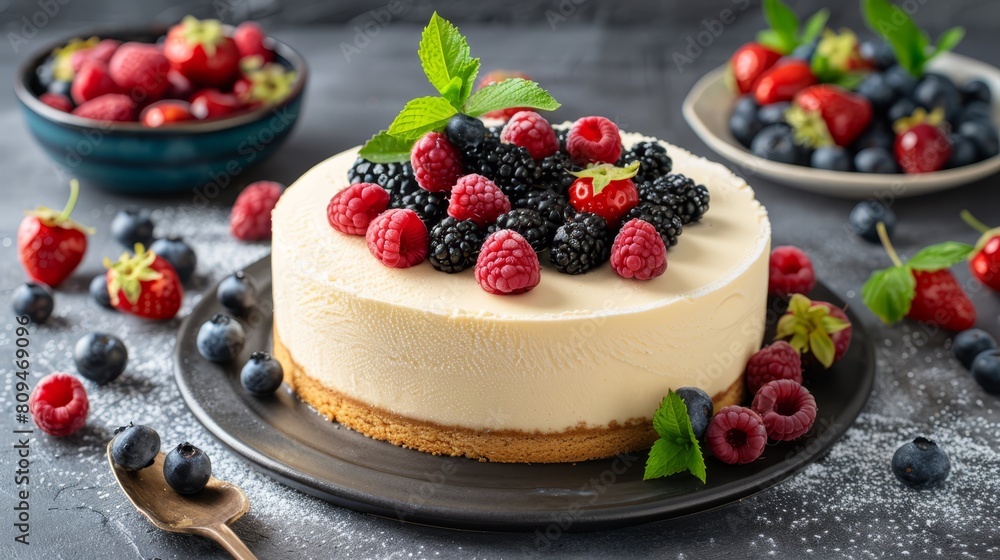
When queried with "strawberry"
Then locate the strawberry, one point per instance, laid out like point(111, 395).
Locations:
point(782, 81)
point(268, 83)
point(985, 258)
point(923, 289)
point(749, 62)
point(49, 244)
point(144, 285)
point(251, 40)
point(497, 76)
point(180, 87)
point(838, 59)
point(605, 190)
point(108, 107)
point(91, 82)
point(166, 111)
point(213, 104)
point(820, 331)
point(826, 114)
point(101, 51)
point(921, 145)
point(141, 70)
point(200, 51)
point(56, 101)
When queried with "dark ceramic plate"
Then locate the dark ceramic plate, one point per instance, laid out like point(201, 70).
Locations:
point(288, 440)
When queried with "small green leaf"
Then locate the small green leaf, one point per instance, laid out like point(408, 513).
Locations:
point(512, 92)
point(814, 26)
point(444, 56)
point(898, 29)
point(420, 116)
point(470, 71)
point(940, 256)
point(822, 347)
point(774, 41)
point(677, 450)
point(783, 22)
point(383, 148)
point(665, 460)
point(889, 293)
point(948, 41)
point(850, 80)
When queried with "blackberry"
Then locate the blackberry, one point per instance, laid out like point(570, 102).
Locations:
point(550, 205)
point(553, 172)
point(653, 160)
point(510, 167)
point(580, 245)
point(430, 206)
point(396, 178)
point(455, 245)
point(528, 223)
point(688, 200)
point(663, 218)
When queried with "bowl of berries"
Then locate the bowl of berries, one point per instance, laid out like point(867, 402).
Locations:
point(154, 111)
point(821, 111)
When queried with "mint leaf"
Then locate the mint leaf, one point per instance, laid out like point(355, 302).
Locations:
point(783, 22)
point(512, 92)
point(940, 256)
point(383, 148)
point(470, 71)
point(889, 293)
point(814, 26)
point(665, 460)
point(444, 56)
point(948, 41)
point(772, 40)
point(677, 450)
point(907, 40)
point(420, 116)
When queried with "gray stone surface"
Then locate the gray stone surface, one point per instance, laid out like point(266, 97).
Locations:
point(847, 505)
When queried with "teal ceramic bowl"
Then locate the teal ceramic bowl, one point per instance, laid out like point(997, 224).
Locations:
point(126, 157)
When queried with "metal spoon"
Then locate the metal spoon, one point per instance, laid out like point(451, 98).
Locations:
point(206, 513)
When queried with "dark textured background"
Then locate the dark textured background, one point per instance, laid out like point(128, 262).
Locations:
point(606, 57)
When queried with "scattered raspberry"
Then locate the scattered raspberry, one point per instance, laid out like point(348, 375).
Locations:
point(250, 39)
point(352, 209)
point(530, 130)
point(736, 435)
point(499, 76)
point(398, 238)
point(436, 163)
point(108, 107)
point(91, 82)
point(791, 272)
point(507, 264)
point(594, 140)
point(787, 409)
point(56, 101)
point(250, 219)
point(638, 251)
point(476, 198)
point(777, 361)
point(140, 70)
point(59, 404)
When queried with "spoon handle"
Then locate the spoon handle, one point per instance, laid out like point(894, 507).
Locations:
point(222, 534)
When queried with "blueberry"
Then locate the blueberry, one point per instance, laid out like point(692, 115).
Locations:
point(934, 91)
point(976, 90)
point(986, 370)
point(804, 51)
point(187, 469)
point(773, 113)
point(45, 72)
point(900, 80)
point(901, 108)
point(746, 105)
point(877, 89)
point(131, 226)
point(237, 293)
point(33, 300)
point(60, 87)
point(221, 338)
point(878, 53)
point(99, 291)
point(464, 131)
point(976, 111)
point(963, 152)
point(744, 127)
point(866, 216)
point(833, 158)
point(100, 357)
point(920, 463)
point(876, 135)
point(971, 343)
point(776, 143)
point(262, 374)
point(135, 447)
point(699, 406)
point(875, 160)
point(983, 135)
point(179, 254)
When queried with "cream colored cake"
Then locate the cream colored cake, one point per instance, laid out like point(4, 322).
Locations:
point(572, 370)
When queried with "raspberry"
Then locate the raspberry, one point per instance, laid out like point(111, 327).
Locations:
point(777, 361)
point(250, 219)
point(352, 209)
point(59, 404)
point(787, 409)
point(108, 107)
point(638, 251)
point(530, 130)
point(507, 264)
point(736, 435)
point(140, 70)
point(56, 101)
point(594, 140)
point(791, 272)
point(476, 198)
point(397, 238)
point(436, 163)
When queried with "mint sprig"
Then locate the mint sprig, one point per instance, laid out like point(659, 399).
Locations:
point(444, 55)
point(786, 31)
point(677, 450)
point(383, 148)
point(910, 43)
point(420, 116)
point(512, 92)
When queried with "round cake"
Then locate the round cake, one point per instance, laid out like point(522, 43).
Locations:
point(570, 371)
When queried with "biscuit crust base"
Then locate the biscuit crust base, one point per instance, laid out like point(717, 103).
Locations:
point(501, 446)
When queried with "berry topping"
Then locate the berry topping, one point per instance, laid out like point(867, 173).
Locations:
point(100, 357)
point(454, 245)
point(507, 264)
point(553, 172)
point(699, 407)
point(530, 130)
point(736, 435)
point(178, 253)
point(250, 219)
point(580, 245)
point(237, 293)
point(33, 301)
point(144, 285)
point(396, 178)
point(663, 218)
point(140, 70)
point(920, 463)
point(818, 330)
point(432, 207)
point(594, 140)
point(511, 167)
point(221, 338)
point(653, 159)
point(777, 361)
point(986, 371)
point(638, 251)
point(59, 404)
point(477, 198)
point(352, 209)
point(107, 107)
point(605, 190)
point(550, 206)
point(526, 222)
point(437, 164)
point(465, 132)
point(787, 409)
point(131, 226)
point(971, 343)
point(135, 447)
point(397, 238)
point(262, 374)
point(791, 272)
point(187, 469)
point(688, 200)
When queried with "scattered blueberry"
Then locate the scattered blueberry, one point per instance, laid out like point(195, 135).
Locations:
point(875, 160)
point(900, 109)
point(135, 447)
point(187, 469)
point(221, 338)
point(744, 127)
point(878, 53)
point(773, 113)
point(986, 370)
point(237, 293)
point(934, 91)
point(976, 90)
point(920, 463)
point(179, 254)
point(776, 143)
point(33, 300)
point(866, 216)
point(262, 374)
point(464, 131)
point(877, 89)
point(971, 343)
point(100, 357)
point(699, 406)
point(900, 80)
point(131, 226)
point(983, 135)
point(833, 158)
point(99, 291)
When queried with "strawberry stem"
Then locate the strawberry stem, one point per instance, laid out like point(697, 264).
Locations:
point(971, 220)
point(883, 235)
point(74, 194)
